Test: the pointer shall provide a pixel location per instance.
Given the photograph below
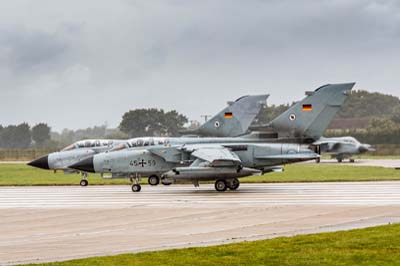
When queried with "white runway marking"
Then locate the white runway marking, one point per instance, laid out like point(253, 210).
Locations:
point(64, 222)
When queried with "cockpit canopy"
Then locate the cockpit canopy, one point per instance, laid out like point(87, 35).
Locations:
point(350, 140)
point(89, 143)
point(141, 142)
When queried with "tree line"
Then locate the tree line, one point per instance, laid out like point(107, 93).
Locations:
point(383, 112)
point(22, 136)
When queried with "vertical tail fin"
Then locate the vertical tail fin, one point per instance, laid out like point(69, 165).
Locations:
point(309, 118)
point(233, 120)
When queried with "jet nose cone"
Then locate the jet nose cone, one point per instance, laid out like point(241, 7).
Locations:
point(365, 148)
point(85, 165)
point(42, 162)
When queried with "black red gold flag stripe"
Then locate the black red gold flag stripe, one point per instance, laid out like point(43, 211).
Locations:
point(228, 115)
point(307, 107)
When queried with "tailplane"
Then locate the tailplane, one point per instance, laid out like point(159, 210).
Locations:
point(309, 118)
point(234, 120)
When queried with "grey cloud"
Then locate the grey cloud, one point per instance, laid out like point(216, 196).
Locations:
point(102, 58)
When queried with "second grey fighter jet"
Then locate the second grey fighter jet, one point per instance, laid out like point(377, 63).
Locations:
point(342, 147)
point(74, 153)
point(245, 109)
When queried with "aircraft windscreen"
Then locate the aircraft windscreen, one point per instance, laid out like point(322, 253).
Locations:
point(140, 142)
point(70, 147)
point(119, 147)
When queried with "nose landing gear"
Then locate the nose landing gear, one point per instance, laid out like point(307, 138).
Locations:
point(84, 181)
point(136, 187)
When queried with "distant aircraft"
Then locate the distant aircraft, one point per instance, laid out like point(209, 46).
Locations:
point(342, 147)
point(232, 121)
point(225, 159)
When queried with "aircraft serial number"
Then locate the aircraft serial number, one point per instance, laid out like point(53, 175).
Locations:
point(142, 163)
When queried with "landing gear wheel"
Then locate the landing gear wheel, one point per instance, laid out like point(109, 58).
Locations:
point(220, 185)
point(233, 184)
point(165, 183)
point(136, 188)
point(154, 180)
point(318, 160)
point(84, 183)
point(339, 160)
point(352, 160)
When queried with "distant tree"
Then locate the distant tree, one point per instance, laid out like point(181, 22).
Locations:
point(23, 136)
point(1, 136)
point(96, 132)
point(16, 137)
point(117, 134)
point(396, 115)
point(367, 104)
point(152, 122)
point(174, 123)
point(269, 113)
point(41, 134)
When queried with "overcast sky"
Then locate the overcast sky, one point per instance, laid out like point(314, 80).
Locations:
point(75, 64)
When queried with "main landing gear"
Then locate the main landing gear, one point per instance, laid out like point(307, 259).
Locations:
point(136, 187)
point(153, 180)
point(222, 184)
point(340, 160)
point(84, 181)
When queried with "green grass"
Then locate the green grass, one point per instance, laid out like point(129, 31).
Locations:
point(20, 175)
point(326, 173)
point(371, 246)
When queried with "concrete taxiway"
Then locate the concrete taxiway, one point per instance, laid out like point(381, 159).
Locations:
point(58, 223)
point(386, 163)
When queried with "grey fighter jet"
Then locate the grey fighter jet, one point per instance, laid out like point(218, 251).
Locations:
point(224, 161)
point(74, 153)
point(302, 120)
point(232, 121)
point(342, 147)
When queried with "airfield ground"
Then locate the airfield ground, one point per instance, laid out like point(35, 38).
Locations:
point(371, 246)
point(53, 223)
point(16, 174)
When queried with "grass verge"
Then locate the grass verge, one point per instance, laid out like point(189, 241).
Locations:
point(23, 175)
point(371, 246)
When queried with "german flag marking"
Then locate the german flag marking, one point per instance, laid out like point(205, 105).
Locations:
point(307, 107)
point(228, 115)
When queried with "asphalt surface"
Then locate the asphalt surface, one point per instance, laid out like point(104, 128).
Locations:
point(41, 224)
point(387, 163)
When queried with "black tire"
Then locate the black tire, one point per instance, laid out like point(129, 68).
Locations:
point(339, 160)
point(84, 183)
point(220, 185)
point(136, 188)
point(233, 184)
point(165, 183)
point(153, 180)
point(318, 160)
point(352, 160)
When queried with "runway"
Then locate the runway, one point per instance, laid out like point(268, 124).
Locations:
point(386, 163)
point(41, 224)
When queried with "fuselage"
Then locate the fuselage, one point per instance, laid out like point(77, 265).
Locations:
point(144, 161)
